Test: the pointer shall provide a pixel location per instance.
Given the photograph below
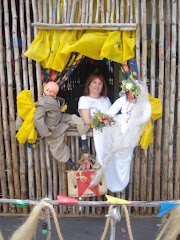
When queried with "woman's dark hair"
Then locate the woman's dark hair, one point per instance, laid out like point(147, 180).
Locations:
point(90, 79)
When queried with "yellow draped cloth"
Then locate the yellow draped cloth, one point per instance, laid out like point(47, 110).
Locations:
point(26, 110)
point(147, 136)
point(53, 47)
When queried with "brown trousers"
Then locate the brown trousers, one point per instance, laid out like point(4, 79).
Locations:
point(60, 151)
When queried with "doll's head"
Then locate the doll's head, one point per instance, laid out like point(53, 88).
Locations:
point(51, 89)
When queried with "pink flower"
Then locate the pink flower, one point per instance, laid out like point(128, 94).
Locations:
point(42, 77)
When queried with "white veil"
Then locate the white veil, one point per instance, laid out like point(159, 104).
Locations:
point(126, 141)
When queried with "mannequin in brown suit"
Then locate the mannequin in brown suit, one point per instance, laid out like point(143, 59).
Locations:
point(51, 123)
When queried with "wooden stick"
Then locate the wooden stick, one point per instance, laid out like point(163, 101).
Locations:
point(137, 14)
point(8, 158)
point(54, 17)
point(122, 11)
point(90, 11)
point(69, 11)
point(44, 10)
point(49, 173)
point(58, 12)
point(117, 11)
point(79, 11)
point(40, 7)
point(160, 96)
point(87, 11)
point(97, 12)
point(10, 95)
point(166, 110)
point(112, 11)
point(102, 12)
point(108, 10)
point(131, 11)
point(144, 41)
point(83, 16)
point(79, 26)
point(172, 99)
point(152, 91)
point(127, 11)
point(50, 12)
point(64, 11)
point(73, 11)
point(177, 165)
point(137, 177)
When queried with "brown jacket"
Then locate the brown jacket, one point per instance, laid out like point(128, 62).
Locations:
point(49, 118)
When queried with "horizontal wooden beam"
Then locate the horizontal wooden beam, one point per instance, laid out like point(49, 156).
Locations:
point(91, 203)
point(85, 26)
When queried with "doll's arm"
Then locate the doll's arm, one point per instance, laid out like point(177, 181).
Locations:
point(115, 108)
point(39, 121)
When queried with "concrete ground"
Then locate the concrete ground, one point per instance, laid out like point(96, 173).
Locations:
point(86, 228)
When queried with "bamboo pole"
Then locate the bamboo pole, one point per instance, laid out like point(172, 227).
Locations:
point(97, 11)
point(131, 11)
point(137, 17)
point(144, 79)
point(64, 11)
point(3, 178)
point(112, 11)
point(177, 164)
point(37, 173)
point(40, 6)
point(87, 11)
point(73, 11)
point(49, 173)
point(90, 11)
point(166, 109)
point(54, 17)
point(152, 91)
point(157, 172)
point(79, 11)
point(108, 10)
point(55, 181)
point(84, 26)
point(11, 100)
point(127, 11)
point(102, 12)
point(28, 38)
point(83, 16)
point(117, 11)
point(58, 12)
point(137, 177)
point(172, 99)
point(44, 10)
point(50, 12)
point(69, 11)
point(10, 185)
point(122, 11)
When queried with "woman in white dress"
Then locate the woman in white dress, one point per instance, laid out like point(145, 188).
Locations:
point(121, 138)
point(94, 99)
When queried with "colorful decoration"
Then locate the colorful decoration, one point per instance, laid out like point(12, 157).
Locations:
point(48, 75)
point(44, 228)
point(20, 203)
point(62, 199)
point(132, 86)
point(166, 207)
point(116, 200)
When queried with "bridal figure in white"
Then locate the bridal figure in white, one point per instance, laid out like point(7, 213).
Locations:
point(120, 139)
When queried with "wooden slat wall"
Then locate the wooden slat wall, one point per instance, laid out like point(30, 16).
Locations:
point(35, 174)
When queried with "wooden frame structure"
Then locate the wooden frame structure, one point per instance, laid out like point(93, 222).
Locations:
point(25, 173)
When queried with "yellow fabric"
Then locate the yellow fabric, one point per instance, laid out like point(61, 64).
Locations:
point(53, 47)
point(116, 200)
point(147, 136)
point(26, 109)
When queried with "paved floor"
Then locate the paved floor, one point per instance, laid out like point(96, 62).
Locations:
point(86, 228)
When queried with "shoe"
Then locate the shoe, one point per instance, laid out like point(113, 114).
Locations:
point(84, 146)
point(70, 163)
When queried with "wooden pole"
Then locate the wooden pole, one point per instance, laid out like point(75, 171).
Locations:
point(177, 165)
point(112, 11)
point(108, 10)
point(102, 12)
point(157, 172)
point(137, 17)
point(122, 11)
point(172, 99)
point(8, 159)
point(166, 109)
point(152, 91)
point(73, 11)
point(11, 100)
point(127, 11)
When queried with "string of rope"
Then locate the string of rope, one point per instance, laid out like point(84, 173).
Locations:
point(128, 222)
point(107, 223)
point(164, 228)
point(55, 220)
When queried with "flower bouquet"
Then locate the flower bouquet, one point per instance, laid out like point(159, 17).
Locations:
point(101, 120)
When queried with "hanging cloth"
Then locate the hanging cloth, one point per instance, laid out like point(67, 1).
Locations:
point(53, 48)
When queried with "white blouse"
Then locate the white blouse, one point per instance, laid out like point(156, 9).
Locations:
point(102, 104)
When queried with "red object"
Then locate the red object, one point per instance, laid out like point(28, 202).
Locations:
point(84, 185)
point(63, 199)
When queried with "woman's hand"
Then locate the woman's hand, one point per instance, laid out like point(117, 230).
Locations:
point(49, 134)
